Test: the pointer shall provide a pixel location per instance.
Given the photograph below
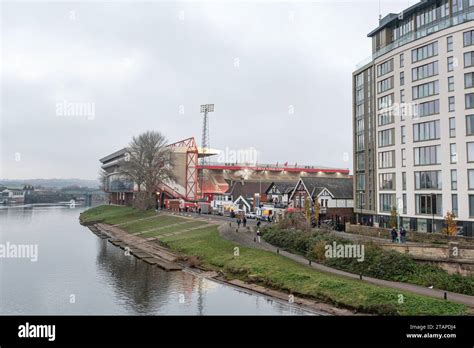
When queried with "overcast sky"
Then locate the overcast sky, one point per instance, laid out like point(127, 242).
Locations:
point(279, 74)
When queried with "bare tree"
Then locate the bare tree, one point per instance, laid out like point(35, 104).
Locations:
point(148, 163)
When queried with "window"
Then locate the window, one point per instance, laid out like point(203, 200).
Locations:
point(428, 204)
point(426, 131)
point(360, 160)
point(427, 108)
point(387, 201)
point(452, 153)
point(424, 52)
point(469, 100)
point(428, 180)
point(470, 152)
point(386, 137)
point(387, 181)
point(404, 180)
point(468, 38)
point(450, 63)
point(471, 205)
point(386, 159)
point(385, 118)
point(403, 134)
point(402, 60)
point(427, 155)
point(470, 179)
point(404, 200)
point(385, 68)
point(402, 96)
point(452, 127)
point(360, 142)
point(451, 84)
point(454, 179)
point(468, 59)
point(402, 78)
point(451, 104)
point(454, 204)
point(360, 181)
point(385, 101)
point(469, 124)
point(469, 80)
point(424, 71)
point(457, 5)
point(404, 157)
point(425, 90)
point(449, 43)
point(385, 85)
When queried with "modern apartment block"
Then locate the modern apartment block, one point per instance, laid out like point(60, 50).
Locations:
point(413, 118)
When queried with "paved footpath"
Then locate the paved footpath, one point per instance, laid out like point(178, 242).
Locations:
point(246, 237)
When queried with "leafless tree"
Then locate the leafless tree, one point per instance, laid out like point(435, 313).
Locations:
point(148, 163)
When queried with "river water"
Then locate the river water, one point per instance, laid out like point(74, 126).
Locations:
point(78, 273)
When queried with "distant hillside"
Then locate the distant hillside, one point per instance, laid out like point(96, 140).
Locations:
point(50, 183)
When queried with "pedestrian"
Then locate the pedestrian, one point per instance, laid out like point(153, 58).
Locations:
point(244, 221)
point(394, 235)
point(258, 223)
point(258, 236)
point(199, 210)
point(403, 235)
point(238, 222)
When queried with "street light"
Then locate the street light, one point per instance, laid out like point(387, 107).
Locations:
point(432, 212)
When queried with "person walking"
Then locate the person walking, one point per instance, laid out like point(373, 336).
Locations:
point(238, 222)
point(403, 235)
point(244, 221)
point(258, 236)
point(258, 223)
point(394, 235)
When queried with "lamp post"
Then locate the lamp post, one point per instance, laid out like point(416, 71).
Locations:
point(433, 196)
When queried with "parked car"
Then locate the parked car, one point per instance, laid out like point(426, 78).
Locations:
point(251, 215)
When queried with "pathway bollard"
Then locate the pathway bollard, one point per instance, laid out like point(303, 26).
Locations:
point(445, 295)
point(278, 250)
point(360, 276)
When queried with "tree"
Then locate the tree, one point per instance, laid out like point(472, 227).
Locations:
point(316, 210)
point(393, 217)
point(307, 209)
point(148, 163)
point(451, 226)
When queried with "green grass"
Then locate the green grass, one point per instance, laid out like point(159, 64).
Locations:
point(275, 271)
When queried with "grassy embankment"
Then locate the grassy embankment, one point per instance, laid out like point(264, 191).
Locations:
point(378, 263)
point(271, 270)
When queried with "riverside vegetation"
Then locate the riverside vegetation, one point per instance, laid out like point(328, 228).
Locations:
point(378, 263)
point(269, 269)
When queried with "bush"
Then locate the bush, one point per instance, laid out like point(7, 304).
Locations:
point(378, 263)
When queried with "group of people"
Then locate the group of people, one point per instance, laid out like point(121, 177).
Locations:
point(242, 221)
point(399, 236)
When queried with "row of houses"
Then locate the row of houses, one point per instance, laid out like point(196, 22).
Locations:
point(334, 195)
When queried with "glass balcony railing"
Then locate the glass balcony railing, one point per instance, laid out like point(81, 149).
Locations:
point(120, 186)
point(458, 18)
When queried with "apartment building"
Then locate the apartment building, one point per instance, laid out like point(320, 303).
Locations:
point(413, 118)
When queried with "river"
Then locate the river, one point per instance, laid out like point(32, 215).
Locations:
point(78, 273)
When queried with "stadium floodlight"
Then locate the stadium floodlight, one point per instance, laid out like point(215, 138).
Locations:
point(207, 108)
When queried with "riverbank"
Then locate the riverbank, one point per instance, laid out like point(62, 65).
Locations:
point(235, 262)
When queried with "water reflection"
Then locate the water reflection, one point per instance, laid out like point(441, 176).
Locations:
point(103, 280)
